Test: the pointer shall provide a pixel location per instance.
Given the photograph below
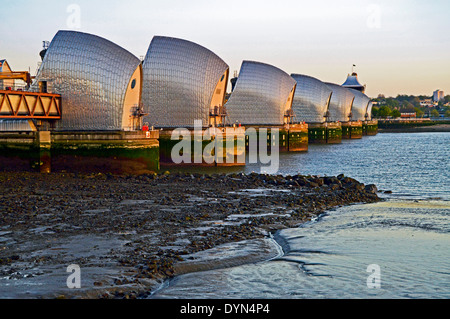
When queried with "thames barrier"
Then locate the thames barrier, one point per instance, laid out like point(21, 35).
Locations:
point(93, 103)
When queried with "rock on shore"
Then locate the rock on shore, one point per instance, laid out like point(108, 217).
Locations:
point(128, 233)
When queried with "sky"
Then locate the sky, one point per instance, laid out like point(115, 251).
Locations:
point(398, 46)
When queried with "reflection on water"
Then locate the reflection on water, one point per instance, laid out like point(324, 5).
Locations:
point(46, 161)
point(407, 236)
point(411, 165)
point(329, 258)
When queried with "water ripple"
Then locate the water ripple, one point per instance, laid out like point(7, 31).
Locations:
point(407, 235)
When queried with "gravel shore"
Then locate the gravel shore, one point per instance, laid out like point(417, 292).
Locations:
point(129, 234)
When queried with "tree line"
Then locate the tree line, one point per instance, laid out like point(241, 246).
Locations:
point(393, 107)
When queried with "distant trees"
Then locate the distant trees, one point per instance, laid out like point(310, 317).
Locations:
point(416, 102)
point(447, 98)
point(384, 111)
point(447, 113)
point(396, 113)
point(411, 99)
point(375, 111)
point(434, 113)
point(419, 112)
point(408, 107)
point(394, 107)
point(392, 103)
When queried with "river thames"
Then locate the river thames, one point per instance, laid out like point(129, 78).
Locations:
point(397, 248)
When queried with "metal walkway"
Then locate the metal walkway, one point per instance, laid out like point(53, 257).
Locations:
point(29, 105)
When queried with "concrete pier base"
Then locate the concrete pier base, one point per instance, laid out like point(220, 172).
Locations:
point(317, 133)
point(108, 152)
point(19, 151)
point(352, 130)
point(325, 133)
point(291, 138)
point(370, 128)
point(298, 138)
point(224, 146)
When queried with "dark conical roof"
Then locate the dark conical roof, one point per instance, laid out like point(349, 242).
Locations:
point(353, 83)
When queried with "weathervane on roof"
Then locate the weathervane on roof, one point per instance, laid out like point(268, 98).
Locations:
point(353, 71)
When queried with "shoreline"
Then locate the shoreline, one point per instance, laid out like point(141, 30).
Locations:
point(438, 128)
point(129, 234)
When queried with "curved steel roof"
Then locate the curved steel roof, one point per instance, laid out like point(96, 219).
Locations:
point(369, 111)
point(340, 104)
point(311, 99)
point(360, 104)
point(261, 95)
point(92, 75)
point(179, 80)
point(4, 66)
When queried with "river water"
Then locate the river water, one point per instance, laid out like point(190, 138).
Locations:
point(398, 248)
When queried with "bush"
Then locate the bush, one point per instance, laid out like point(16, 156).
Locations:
point(434, 113)
point(447, 113)
point(396, 113)
point(384, 111)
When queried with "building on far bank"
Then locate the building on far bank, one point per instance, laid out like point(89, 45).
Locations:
point(427, 103)
point(438, 95)
point(408, 115)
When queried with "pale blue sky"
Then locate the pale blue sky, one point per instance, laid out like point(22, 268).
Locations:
point(399, 46)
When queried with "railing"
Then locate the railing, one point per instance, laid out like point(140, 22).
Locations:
point(15, 87)
point(410, 119)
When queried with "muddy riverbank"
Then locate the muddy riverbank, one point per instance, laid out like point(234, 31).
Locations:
point(436, 128)
point(128, 234)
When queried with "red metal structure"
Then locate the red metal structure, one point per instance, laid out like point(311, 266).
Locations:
point(29, 105)
point(24, 76)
